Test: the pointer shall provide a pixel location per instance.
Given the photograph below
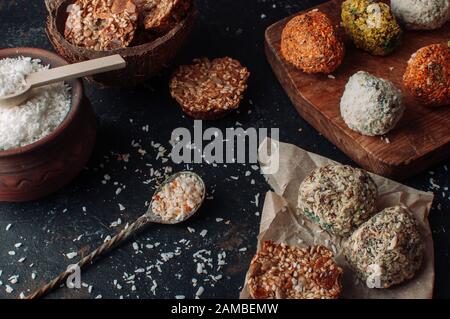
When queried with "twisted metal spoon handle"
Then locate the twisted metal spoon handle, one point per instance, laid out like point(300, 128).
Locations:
point(123, 235)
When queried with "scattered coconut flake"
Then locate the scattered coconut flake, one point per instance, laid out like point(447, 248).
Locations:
point(200, 291)
point(71, 255)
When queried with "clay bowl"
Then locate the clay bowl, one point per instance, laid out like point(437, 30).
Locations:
point(41, 168)
point(143, 61)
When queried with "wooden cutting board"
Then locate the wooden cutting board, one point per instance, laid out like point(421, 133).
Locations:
point(421, 138)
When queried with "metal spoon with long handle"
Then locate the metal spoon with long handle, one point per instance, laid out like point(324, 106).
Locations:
point(145, 220)
point(62, 73)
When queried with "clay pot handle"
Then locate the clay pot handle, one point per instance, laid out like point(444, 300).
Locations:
point(52, 5)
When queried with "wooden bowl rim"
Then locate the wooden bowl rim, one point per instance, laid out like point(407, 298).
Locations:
point(76, 98)
point(127, 51)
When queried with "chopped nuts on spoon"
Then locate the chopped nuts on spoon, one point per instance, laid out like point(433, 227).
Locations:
point(178, 198)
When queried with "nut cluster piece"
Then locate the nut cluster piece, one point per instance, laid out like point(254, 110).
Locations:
point(160, 16)
point(101, 24)
point(111, 24)
point(279, 271)
point(208, 89)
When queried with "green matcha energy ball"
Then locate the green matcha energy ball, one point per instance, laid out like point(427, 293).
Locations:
point(371, 25)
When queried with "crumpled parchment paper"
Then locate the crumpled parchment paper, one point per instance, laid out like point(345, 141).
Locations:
point(281, 223)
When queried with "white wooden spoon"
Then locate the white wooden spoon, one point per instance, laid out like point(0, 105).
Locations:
point(62, 73)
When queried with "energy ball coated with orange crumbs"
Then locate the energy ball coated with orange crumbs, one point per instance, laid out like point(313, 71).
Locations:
point(427, 75)
point(311, 43)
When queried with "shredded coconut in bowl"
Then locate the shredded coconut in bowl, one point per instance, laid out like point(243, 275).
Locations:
point(40, 115)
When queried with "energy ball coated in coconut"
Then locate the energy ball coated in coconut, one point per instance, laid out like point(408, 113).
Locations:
point(371, 26)
point(387, 249)
point(338, 198)
point(370, 105)
point(421, 14)
point(427, 75)
point(311, 43)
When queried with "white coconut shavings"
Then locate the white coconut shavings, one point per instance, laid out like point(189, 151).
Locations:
point(9, 289)
point(13, 73)
point(200, 291)
point(40, 115)
point(71, 255)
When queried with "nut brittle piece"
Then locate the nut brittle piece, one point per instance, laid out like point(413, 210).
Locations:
point(208, 89)
point(101, 24)
point(160, 16)
point(279, 271)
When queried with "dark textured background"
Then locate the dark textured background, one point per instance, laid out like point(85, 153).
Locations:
point(47, 228)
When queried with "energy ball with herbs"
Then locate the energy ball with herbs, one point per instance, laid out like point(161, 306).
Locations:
point(387, 249)
point(370, 105)
point(427, 75)
point(338, 198)
point(371, 26)
point(421, 14)
point(311, 43)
